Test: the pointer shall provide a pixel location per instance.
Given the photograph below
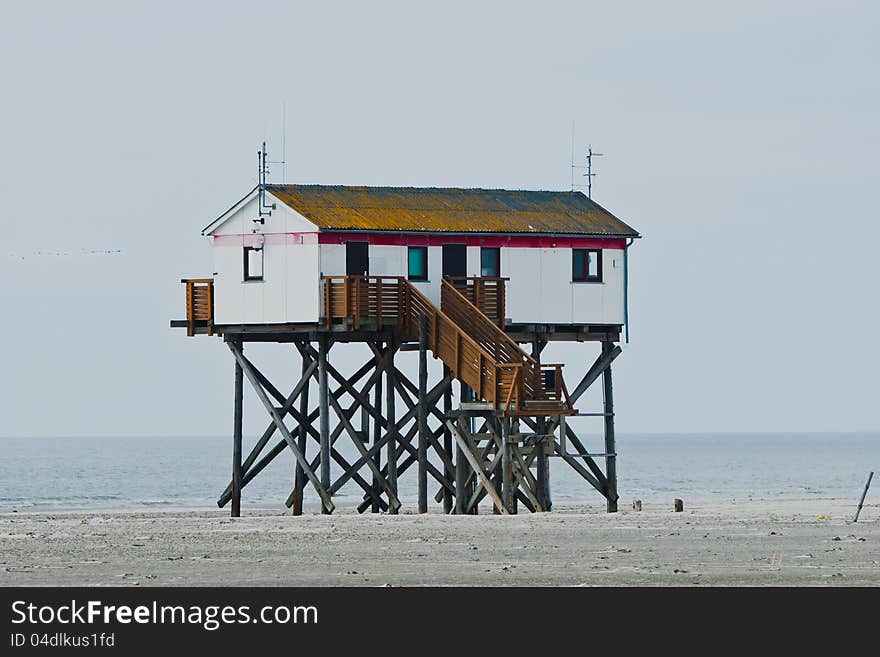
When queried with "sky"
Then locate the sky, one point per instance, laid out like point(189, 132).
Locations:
point(740, 139)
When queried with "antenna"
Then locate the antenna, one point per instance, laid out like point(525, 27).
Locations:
point(589, 174)
point(263, 171)
point(572, 155)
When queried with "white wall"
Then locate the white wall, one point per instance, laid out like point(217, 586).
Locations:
point(540, 288)
point(289, 291)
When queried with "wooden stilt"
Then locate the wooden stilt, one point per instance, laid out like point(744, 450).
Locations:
point(324, 413)
point(236, 440)
point(390, 413)
point(423, 414)
point(299, 480)
point(447, 444)
point(506, 466)
point(542, 448)
point(377, 433)
point(461, 465)
point(610, 449)
point(498, 470)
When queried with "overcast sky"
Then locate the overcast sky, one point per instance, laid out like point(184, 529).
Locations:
point(741, 139)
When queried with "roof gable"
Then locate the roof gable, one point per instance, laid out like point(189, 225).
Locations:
point(432, 209)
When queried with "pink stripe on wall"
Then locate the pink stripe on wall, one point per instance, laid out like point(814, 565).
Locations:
point(249, 239)
point(418, 239)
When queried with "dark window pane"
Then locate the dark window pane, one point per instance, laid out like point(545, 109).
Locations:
point(586, 265)
point(253, 264)
point(578, 269)
point(490, 262)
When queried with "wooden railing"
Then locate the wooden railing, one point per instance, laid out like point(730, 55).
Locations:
point(361, 298)
point(485, 292)
point(199, 303)
point(539, 382)
point(475, 349)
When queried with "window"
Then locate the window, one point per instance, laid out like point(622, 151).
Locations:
point(490, 262)
point(418, 263)
point(586, 265)
point(253, 264)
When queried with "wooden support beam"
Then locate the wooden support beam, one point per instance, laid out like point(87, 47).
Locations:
point(236, 439)
point(377, 421)
point(479, 491)
point(608, 348)
point(299, 479)
point(447, 444)
point(403, 388)
point(327, 503)
point(304, 422)
point(357, 478)
point(324, 414)
point(390, 410)
point(461, 477)
point(423, 414)
point(465, 449)
point(300, 388)
point(602, 363)
point(581, 470)
point(393, 502)
point(506, 465)
point(349, 470)
point(543, 450)
point(581, 452)
point(433, 396)
point(527, 484)
point(521, 497)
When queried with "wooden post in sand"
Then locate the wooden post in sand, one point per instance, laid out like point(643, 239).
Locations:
point(447, 444)
point(678, 505)
point(236, 441)
point(324, 414)
point(864, 493)
point(423, 414)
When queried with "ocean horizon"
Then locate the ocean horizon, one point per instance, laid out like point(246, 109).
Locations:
point(72, 473)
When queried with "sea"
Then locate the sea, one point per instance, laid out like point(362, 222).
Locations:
point(166, 472)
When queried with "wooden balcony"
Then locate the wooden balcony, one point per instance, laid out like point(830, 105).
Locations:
point(199, 304)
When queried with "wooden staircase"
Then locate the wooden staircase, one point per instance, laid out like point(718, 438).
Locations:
point(476, 350)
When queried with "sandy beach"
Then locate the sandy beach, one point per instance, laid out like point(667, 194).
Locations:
point(751, 542)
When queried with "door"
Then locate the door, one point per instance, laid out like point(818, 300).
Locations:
point(454, 260)
point(357, 259)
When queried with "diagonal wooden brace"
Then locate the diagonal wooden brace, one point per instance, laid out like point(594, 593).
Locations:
point(276, 419)
point(466, 449)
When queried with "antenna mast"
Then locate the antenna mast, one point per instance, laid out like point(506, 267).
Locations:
point(589, 174)
point(263, 171)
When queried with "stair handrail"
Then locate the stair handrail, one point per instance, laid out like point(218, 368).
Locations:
point(501, 333)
